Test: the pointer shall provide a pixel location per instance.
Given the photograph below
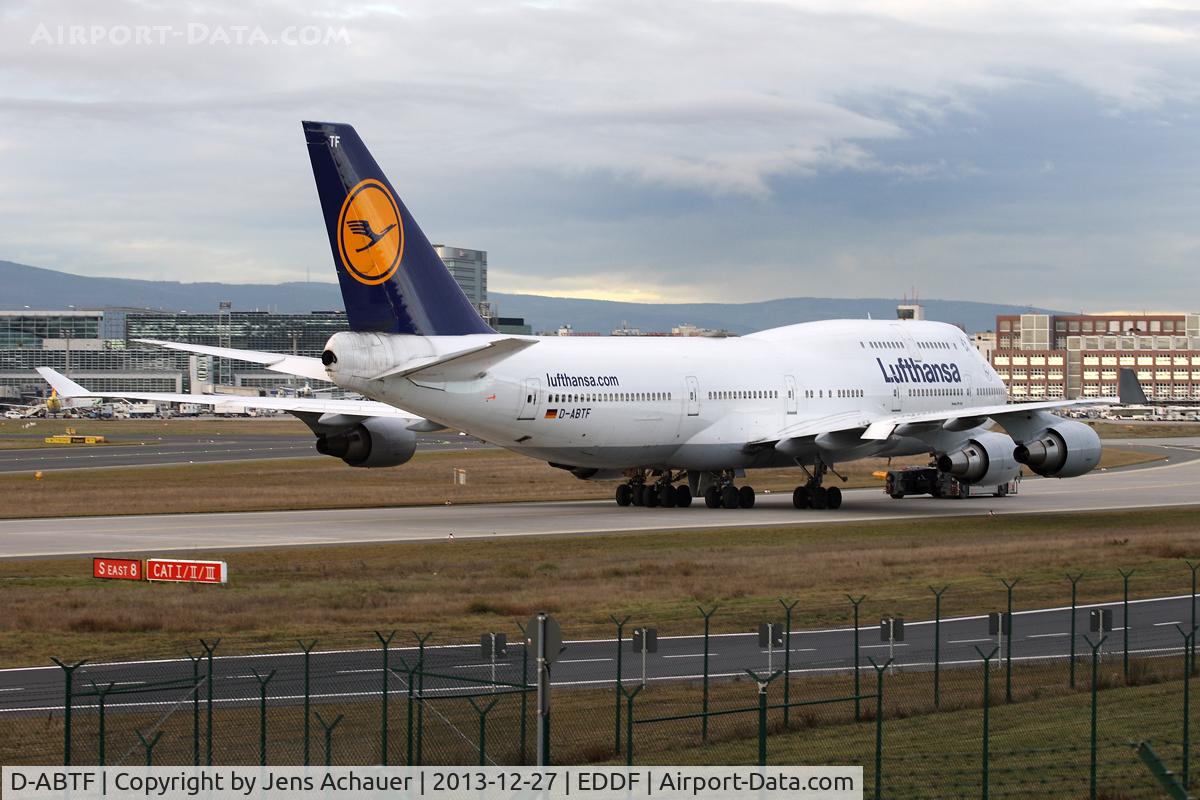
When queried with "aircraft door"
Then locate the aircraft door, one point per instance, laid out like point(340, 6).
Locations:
point(693, 396)
point(530, 398)
point(792, 394)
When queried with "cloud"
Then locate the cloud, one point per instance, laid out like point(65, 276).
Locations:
point(652, 148)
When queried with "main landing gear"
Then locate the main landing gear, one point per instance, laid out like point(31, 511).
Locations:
point(640, 491)
point(721, 493)
point(813, 495)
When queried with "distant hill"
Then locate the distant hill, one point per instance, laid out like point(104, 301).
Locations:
point(36, 288)
point(548, 313)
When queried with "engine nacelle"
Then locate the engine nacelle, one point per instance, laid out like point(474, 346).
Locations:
point(986, 459)
point(374, 442)
point(1067, 450)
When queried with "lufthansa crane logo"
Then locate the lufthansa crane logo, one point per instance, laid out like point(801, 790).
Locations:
point(370, 233)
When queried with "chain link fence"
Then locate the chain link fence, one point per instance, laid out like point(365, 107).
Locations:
point(1005, 720)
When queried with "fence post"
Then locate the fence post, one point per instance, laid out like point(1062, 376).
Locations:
point(482, 712)
point(524, 690)
point(307, 648)
point(262, 714)
point(1193, 568)
point(937, 644)
point(787, 659)
point(328, 727)
point(383, 714)
point(857, 692)
point(629, 723)
point(987, 702)
point(195, 706)
point(101, 694)
point(1166, 779)
point(704, 700)
point(208, 722)
point(620, 623)
point(763, 683)
point(1074, 579)
point(1188, 640)
point(149, 745)
point(421, 693)
point(1125, 623)
point(1095, 687)
point(879, 670)
point(68, 692)
point(1012, 628)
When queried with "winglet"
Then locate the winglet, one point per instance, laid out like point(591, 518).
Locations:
point(62, 384)
point(1129, 388)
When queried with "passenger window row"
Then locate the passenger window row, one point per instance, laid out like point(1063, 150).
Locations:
point(821, 394)
point(612, 397)
point(744, 394)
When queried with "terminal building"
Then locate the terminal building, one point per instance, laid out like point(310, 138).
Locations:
point(99, 348)
point(1073, 356)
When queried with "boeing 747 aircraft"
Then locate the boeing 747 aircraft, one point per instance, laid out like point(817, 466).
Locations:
point(671, 419)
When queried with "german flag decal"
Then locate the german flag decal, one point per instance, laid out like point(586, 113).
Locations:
point(551, 413)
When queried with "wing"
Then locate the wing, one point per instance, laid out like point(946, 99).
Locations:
point(361, 227)
point(68, 388)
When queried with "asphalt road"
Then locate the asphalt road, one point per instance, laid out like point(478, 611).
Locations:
point(355, 674)
point(1156, 486)
point(190, 450)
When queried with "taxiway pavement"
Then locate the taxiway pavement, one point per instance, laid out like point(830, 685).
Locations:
point(1175, 482)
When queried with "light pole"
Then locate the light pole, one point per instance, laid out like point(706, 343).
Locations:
point(65, 333)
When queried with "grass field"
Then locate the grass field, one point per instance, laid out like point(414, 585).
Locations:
point(456, 589)
point(273, 484)
point(23, 433)
point(1144, 430)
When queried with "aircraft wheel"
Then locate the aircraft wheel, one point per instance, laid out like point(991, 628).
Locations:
point(801, 497)
point(650, 496)
point(833, 497)
point(729, 497)
point(683, 496)
point(624, 495)
point(820, 498)
point(712, 497)
point(666, 496)
point(897, 495)
point(746, 497)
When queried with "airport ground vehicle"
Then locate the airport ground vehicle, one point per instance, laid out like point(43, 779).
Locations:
point(906, 481)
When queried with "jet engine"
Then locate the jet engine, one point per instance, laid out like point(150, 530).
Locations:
point(1067, 450)
point(985, 459)
point(374, 442)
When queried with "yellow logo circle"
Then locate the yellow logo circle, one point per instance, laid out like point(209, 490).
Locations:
point(370, 233)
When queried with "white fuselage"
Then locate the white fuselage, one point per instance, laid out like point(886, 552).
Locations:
point(685, 403)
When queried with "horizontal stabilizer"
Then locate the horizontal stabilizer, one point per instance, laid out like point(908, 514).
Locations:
point(461, 364)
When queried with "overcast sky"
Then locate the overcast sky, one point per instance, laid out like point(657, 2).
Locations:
point(1034, 153)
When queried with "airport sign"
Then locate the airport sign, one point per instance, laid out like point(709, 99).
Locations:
point(178, 570)
point(120, 569)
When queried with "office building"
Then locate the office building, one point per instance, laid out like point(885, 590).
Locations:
point(1042, 356)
